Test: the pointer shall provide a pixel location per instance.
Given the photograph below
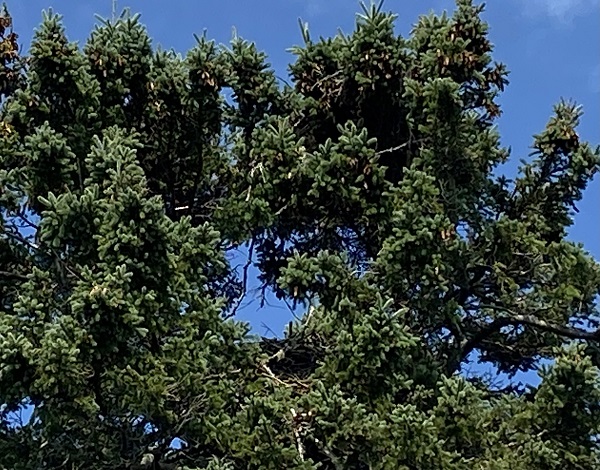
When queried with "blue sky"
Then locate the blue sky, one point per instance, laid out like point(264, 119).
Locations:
point(551, 47)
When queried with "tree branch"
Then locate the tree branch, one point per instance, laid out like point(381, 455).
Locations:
point(245, 269)
point(398, 147)
point(515, 319)
point(11, 275)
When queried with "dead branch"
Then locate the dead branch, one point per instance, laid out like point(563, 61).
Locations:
point(468, 345)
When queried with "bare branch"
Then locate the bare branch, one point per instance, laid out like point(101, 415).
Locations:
point(11, 275)
point(401, 146)
point(515, 319)
point(245, 269)
point(26, 221)
point(393, 149)
point(325, 78)
point(17, 236)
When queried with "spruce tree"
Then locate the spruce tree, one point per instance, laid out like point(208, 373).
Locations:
point(367, 194)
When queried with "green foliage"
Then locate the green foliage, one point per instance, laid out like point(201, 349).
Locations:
point(366, 191)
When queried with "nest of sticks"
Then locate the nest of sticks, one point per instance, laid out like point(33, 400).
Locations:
point(295, 357)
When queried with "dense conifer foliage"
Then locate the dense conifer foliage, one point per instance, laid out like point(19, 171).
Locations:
point(366, 191)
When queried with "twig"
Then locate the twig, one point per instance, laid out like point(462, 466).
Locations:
point(9, 275)
point(20, 238)
point(245, 269)
point(290, 308)
point(325, 78)
point(273, 377)
point(398, 147)
point(393, 149)
point(268, 329)
point(27, 222)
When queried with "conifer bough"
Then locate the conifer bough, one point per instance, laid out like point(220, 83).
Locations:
point(365, 191)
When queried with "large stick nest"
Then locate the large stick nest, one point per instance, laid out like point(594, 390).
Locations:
point(295, 357)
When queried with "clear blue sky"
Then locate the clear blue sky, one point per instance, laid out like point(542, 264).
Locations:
point(551, 47)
